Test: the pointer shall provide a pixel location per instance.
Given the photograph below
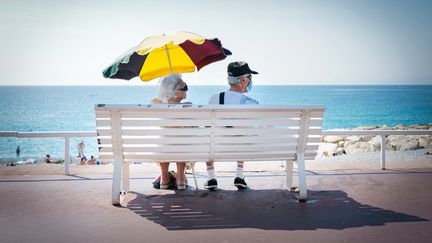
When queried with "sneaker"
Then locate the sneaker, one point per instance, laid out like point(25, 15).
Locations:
point(181, 187)
point(240, 183)
point(211, 184)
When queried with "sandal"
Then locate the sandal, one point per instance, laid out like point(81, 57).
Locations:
point(164, 186)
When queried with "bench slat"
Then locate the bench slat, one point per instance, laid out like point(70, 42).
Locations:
point(166, 115)
point(161, 140)
point(103, 123)
point(254, 131)
point(315, 122)
point(185, 107)
point(232, 141)
point(103, 114)
point(268, 114)
point(170, 148)
point(218, 148)
point(313, 139)
point(263, 131)
point(168, 157)
point(159, 131)
point(218, 131)
point(257, 122)
point(260, 157)
point(253, 139)
point(167, 131)
point(241, 123)
point(255, 147)
point(204, 156)
point(254, 115)
point(166, 122)
point(108, 159)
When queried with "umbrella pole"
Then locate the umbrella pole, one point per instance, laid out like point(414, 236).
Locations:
point(169, 59)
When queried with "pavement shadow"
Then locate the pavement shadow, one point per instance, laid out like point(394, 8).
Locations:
point(261, 209)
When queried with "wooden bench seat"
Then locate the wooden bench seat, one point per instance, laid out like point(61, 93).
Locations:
point(201, 133)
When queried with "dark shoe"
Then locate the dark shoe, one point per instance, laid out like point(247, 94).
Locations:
point(240, 183)
point(211, 184)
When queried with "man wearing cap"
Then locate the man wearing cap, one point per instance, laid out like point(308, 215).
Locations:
point(240, 82)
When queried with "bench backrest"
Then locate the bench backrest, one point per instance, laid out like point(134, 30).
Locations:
point(207, 132)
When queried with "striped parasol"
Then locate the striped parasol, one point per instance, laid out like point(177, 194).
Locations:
point(158, 56)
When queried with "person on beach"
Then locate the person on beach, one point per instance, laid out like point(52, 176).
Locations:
point(91, 161)
point(172, 90)
point(82, 160)
point(81, 147)
point(18, 151)
point(240, 82)
point(47, 159)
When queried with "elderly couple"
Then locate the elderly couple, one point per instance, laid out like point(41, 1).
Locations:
point(173, 90)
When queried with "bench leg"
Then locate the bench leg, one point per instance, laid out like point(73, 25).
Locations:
point(116, 181)
point(289, 174)
point(125, 176)
point(302, 177)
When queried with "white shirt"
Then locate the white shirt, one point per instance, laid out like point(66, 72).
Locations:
point(233, 98)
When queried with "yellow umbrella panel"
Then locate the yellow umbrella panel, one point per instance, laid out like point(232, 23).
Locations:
point(166, 60)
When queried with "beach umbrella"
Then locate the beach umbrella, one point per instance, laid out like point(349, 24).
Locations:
point(162, 55)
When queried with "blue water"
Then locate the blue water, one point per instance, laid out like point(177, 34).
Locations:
point(59, 108)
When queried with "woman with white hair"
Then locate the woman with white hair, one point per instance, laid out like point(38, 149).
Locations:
point(172, 90)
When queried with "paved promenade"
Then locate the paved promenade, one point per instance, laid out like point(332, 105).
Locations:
point(361, 205)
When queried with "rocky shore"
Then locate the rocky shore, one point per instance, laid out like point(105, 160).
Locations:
point(338, 145)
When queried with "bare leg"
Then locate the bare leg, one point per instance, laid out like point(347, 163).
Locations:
point(180, 176)
point(164, 173)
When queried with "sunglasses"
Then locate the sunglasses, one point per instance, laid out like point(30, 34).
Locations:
point(185, 88)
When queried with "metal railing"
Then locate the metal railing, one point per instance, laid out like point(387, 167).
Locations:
point(63, 134)
point(382, 133)
point(69, 134)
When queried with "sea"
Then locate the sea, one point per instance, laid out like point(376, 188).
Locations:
point(71, 108)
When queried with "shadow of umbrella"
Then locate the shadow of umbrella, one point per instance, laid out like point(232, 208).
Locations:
point(260, 209)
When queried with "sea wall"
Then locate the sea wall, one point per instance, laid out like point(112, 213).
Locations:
point(337, 145)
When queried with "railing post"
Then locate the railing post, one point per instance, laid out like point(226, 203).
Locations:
point(383, 147)
point(66, 158)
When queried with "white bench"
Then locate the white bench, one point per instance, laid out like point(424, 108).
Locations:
point(201, 133)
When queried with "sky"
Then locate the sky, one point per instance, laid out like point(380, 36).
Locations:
point(288, 42)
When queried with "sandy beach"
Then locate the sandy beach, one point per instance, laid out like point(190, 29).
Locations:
point(363, 161)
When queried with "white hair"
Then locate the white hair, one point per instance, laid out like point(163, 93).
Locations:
point(235, 80)
point(168, 86)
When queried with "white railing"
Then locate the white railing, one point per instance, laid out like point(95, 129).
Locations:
point(64, 134)
point(382, 133)
point(68, 134)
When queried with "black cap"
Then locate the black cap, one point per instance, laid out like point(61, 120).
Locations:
point(236, 69)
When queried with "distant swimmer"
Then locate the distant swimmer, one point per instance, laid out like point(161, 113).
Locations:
point(18, 151)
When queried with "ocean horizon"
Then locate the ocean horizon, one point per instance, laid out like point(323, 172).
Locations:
point(71, 108)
